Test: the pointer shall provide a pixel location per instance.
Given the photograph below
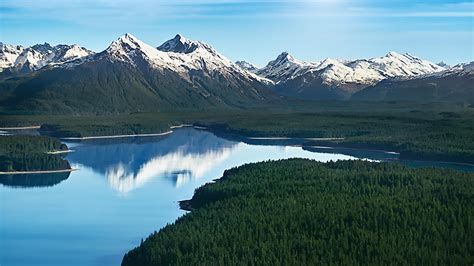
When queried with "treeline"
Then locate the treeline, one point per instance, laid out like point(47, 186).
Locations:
point(29, 153)
point(418, 131)
point(301, 212)
point(416, 135)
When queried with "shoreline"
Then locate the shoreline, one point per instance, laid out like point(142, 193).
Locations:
point(120, 136)
point(20, 128)
point(39, 172)
point(212, 129)
point(60, 152)
point(291, 138)
point(134, 135)
point(349, 148)
point(181, 126)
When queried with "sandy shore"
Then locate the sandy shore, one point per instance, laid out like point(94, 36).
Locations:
point(39, 172)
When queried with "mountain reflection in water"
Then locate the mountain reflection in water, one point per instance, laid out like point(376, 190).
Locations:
point(125, 189)
point(130, 163)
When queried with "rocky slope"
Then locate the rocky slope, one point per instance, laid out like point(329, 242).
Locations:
point(131, 75)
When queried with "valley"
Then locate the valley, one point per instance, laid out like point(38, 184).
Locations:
point(373, 157)
point(437, 131)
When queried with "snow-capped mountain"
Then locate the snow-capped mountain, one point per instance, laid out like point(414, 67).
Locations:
point(365, 71)
point(247, 66)
point(338, 79)
point(187, 57)
point(129, 49)
point(284, 67)
point(16, 59)
point(460, 69)
point(131, 76)
point(455, 84)
point(201, 56)
point(9, 54)
point(135, 76)
point(180, 44)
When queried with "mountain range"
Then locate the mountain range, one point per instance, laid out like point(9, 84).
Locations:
point(130, 76)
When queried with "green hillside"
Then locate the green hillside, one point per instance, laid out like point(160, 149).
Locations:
point(301, 212)
point(102, 87)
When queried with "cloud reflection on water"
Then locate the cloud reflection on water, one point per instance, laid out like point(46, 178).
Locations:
point(179, 166)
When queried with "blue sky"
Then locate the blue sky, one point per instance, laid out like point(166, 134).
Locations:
point(254, 30)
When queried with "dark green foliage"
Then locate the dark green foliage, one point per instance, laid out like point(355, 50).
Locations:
point(418, 131)
point(101, 87)
point(29, 153)
point(301, 212)
point(416, 135)
point(448, 88)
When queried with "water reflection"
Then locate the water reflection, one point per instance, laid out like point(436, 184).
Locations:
point(130, 163)
point(188, 154)
point(150, 174)
point(179, 167)
point(33, 180)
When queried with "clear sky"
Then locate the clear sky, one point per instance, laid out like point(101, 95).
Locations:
point(254, 30)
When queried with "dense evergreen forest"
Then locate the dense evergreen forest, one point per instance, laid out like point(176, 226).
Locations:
point(436, 131)
point(29, 153)
point(416, 135)
point(301, 212)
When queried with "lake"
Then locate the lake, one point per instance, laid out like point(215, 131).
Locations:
point(127, 188)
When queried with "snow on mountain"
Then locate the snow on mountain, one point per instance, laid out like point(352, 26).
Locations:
point(284, 67)
point(201, 56)
point(363, 71)
point(24, 60)
point(403, 65)
point(129, 49)
point(64, 53)
point(9, 54)
point(460, 69)
point(196, 54)
point(185, 57)
point(247, 66)
point(180, 44)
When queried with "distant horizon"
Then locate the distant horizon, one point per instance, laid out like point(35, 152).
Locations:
point(255, 31)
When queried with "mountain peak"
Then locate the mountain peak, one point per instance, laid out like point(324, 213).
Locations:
point(285, 56)
point(392, 54)
point(128, 48)
point(180, 38)
point(128, 42)
point(127, 38)
point(179, 44)
point(399, 56)
point(247, 66)
point(284, 67)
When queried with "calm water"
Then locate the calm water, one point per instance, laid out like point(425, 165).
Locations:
point(125, 189)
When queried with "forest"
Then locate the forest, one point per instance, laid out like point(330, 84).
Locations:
point(434, 131)
point(29, 153)
point(302, 212)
